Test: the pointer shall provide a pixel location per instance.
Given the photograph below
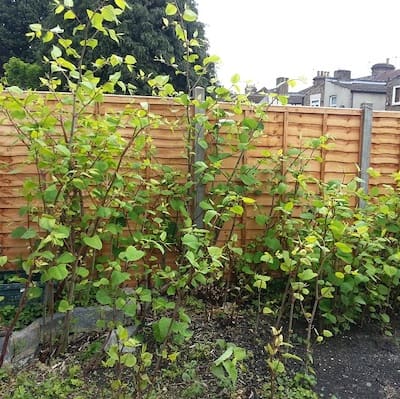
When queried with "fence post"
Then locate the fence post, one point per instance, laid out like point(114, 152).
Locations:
point(200, 189)
point(365, 156)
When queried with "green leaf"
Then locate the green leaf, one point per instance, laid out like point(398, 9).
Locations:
point(129, 360)
point(18, 232)
point(337, 228)
point(132, 254)
point(307, 274)
point(93, 242)
point(117, 278)
point(225, 356)
point(103, 297)
point(212, 59)
point(248, 180)
point(144, 294)
point(341, 246)
point(3, 260)
point(282, 188)
point(82, 272)
point(327, 292)
point(190, 241)
point(35, 292)
point(231, 369)
point(161, 328)
point(50, 194)
point(292, 357)
point(170, 9)
point(61, 232)
point(215, 252)
point(108, 13)
point(390, 271)
point(218, 372)
point(56, 52)
point(189, 15)
point(267, 310)
point(28, 234)
point(130, 309)
point(64, 306)
point(327, 334)
point(235, 78)
point(59, 272)
point(276, 366)
point(63, 150)
point(267, 258)
point(288, 206)
point(385, 318)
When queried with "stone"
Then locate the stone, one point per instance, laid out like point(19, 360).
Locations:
point(23, 345)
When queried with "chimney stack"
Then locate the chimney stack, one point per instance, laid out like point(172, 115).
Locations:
point(282, 87)
point(342, 74)
point(321, 75)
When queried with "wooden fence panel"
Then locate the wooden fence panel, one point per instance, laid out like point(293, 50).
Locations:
point(285, 128)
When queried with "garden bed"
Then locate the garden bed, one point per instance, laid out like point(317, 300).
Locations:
point(361, 363)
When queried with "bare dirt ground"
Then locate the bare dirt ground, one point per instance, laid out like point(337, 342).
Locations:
point(359, 364)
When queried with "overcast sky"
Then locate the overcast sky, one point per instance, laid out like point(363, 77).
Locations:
point(264, 39)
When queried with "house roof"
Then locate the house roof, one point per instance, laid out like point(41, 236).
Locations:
point(357, 85)
point(382, 76)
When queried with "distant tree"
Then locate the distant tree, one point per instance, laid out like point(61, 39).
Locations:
point(22, 74)
point(143, 34)
point(15, 17)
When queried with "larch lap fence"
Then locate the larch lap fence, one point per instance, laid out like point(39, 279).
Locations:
point(362, 138)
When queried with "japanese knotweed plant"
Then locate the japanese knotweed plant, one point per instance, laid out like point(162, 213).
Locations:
point(332, 263)
point(218, 137)
point(91, 213)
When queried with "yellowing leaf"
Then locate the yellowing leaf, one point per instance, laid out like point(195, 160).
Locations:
point(235, 78)
point(248, 200)
point(170, 9)
point(189, 15)
point(59, 9)
point(130, 59)
point(121, 4)
point(48, 37)
point(237, 210)
point(69, 15)
point(339, 275)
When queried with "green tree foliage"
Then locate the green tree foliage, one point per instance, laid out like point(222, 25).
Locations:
point(15, 17)
point(141, 32)
point(23, 74)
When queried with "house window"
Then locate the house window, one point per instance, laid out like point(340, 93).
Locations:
point(315, 100)
point(332, 101)
point(396, 95)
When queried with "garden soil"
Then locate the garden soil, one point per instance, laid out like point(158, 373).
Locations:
point(359, 364)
